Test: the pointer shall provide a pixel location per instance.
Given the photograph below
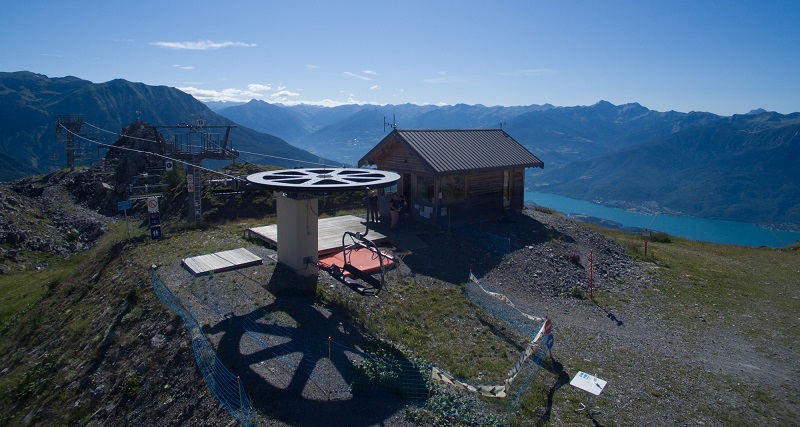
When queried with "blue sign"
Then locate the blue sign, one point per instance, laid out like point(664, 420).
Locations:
point(549, 341)
point(155, 232)
point(155, 219)
point(123, 205)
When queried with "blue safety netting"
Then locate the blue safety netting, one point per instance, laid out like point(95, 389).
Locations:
point(225, 386)
point(359, 371)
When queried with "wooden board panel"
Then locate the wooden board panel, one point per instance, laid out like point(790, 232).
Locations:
point(330, 231)
point(221, 261)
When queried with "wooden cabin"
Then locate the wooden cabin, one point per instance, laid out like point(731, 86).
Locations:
point(453, 177)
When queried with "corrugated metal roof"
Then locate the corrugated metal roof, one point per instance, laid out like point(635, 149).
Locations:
point(459, 150)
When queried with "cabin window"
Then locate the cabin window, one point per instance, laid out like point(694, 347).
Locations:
point(424, 189)
point(390, 189)
point(454, 188)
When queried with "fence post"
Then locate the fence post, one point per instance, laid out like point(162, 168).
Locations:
point(239, 386)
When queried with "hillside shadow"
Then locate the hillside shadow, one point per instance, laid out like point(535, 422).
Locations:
point(480, 247)
point(287, 370)
point(524, 230)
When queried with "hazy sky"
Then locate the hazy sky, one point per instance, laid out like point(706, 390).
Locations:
point(724, 57)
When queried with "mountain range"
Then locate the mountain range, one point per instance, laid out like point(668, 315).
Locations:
point(740, 167)
point(30, 104)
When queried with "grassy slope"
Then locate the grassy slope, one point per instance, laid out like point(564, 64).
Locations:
point(702, 279)
point(699, 278)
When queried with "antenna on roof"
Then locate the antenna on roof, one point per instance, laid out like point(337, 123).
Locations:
point(392, 125)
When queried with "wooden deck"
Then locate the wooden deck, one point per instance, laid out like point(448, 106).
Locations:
point(221, 261)
point(330, 233)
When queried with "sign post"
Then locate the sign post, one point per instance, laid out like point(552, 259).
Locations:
point(124, 206)
point(152, 204)
point(592, 385)
point(155, 232)
point(155, 218)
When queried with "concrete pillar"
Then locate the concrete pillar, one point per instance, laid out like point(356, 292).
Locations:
point(298, 233)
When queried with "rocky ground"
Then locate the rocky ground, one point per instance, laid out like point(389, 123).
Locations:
point(39, 215)
point(661, 370)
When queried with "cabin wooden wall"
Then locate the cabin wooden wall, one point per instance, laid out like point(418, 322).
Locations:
point(395, 157)
point(484, 193)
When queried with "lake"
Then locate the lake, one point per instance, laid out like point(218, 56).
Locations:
point(708, 230)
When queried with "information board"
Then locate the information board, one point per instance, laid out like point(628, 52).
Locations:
point(588, 383)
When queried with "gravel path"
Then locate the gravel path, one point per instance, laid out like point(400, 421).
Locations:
point(660, 370)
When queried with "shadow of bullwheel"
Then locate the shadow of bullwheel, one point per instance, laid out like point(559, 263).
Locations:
point(295, 373)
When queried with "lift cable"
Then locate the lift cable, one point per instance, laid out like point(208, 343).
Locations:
point(245, 152)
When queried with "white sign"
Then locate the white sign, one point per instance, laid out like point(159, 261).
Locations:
point(588, 383)
point(152, 204)
point(168, 165)
point(190, 183)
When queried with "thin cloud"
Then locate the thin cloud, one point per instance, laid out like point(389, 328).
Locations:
point(201, 45)
point(283, 94)
point(529, 72)
point(358, 76)
point(229, 95)
point(445, 79)
point(255, 91)
point(184, 67)
point(374, 87)
point(370, 72)
point(311, 66)
point(255, 87)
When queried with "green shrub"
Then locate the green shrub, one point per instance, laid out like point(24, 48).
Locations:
point(35, 379)
point(660, 237)
point(132, 386)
